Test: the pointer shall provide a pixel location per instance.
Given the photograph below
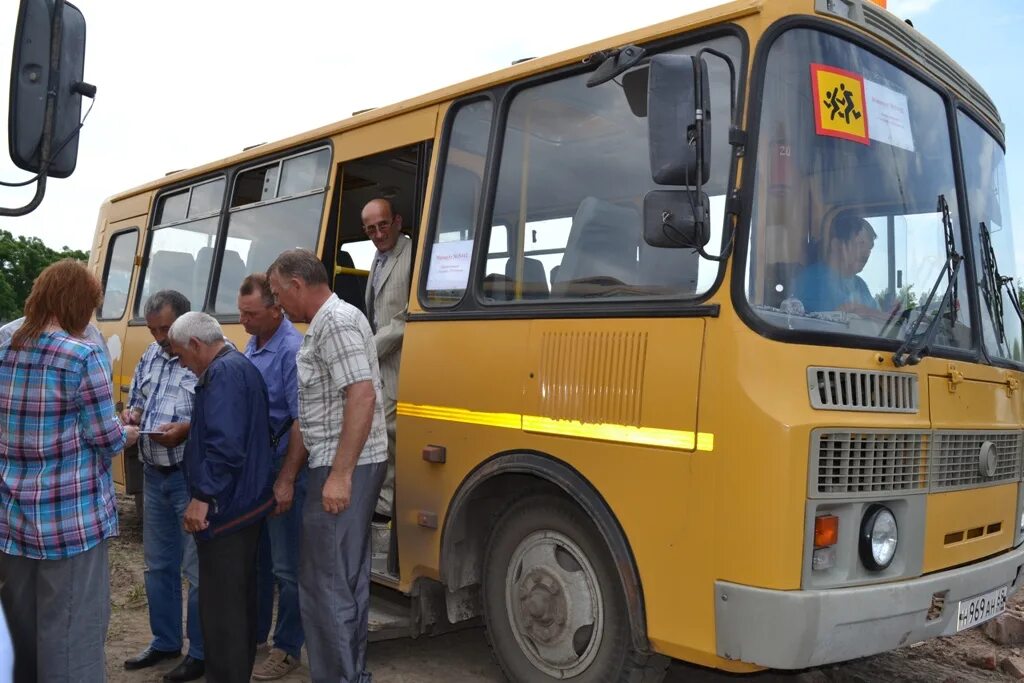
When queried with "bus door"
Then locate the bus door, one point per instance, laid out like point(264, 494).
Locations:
point(118, 248)
point(386, 160)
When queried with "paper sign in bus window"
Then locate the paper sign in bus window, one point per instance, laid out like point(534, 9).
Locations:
point(889, 117)
point(839, 104)
point(449, 266)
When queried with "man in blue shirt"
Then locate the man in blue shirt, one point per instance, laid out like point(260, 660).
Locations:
point(832, 284)
point(272, 349)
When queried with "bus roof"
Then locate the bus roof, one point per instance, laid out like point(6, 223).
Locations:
point(711, 16)
point(882, 24)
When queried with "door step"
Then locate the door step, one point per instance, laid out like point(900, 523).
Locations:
point(390, 614)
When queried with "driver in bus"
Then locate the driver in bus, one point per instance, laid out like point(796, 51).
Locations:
point(833, 283)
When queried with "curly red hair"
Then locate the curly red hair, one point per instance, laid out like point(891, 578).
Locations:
point(65, 292)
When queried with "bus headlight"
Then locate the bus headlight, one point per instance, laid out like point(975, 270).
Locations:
point(878, 537)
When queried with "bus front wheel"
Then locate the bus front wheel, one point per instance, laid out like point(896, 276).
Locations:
point(553, 603)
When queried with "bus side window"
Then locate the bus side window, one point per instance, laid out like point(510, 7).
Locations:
point(172, 270)
point(185, 224)
point(603, 242)
point(232, 272)
point(118, 275)
point(274, 207)
point(455, 227)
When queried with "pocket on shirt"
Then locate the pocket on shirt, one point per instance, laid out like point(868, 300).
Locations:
point(305, 369)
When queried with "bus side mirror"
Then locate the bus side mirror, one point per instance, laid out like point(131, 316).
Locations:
point(679, 125)
point(677, 219)
point(31, 79)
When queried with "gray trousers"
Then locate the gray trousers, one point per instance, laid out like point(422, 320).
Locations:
point(334, 577)
point(58, 612)
point(386, 499)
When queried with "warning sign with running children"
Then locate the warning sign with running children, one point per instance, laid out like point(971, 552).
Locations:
point(839, 103)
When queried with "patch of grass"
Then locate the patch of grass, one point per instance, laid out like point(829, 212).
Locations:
point(135, 596)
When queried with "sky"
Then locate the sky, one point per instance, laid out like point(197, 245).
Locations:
point(187, 82)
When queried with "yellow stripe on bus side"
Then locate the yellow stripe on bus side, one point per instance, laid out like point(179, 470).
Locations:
point(646, 436)
point(506, 420)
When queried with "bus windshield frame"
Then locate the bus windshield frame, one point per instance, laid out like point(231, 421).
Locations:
point(857, 207)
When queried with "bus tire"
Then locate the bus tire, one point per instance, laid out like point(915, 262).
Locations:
point(553, 601)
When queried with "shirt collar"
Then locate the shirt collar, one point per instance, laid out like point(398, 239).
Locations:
point(275, 340)
point(327, 305)
point(225, 350)
point(163, 354)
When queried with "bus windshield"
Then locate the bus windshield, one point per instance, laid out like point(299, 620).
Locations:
point(989, 202)
point(855, 225)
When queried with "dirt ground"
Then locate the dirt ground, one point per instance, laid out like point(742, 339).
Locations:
point(464, 655)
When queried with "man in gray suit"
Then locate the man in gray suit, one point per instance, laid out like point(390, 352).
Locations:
point(387, 300)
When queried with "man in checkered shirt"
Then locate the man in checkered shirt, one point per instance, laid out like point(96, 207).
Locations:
point(160, 400)
point(338, 375)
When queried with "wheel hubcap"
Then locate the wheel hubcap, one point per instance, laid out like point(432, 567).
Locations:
point(554, 604)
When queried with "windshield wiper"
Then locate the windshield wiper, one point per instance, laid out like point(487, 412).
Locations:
point(993, 282)
point(916, 345)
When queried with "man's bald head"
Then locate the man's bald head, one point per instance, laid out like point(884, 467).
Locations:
point(381, 224)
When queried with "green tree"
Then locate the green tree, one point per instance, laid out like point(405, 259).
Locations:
point(21, 260)
point(905, 298)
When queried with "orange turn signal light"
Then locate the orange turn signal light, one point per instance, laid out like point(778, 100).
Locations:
point(826, 531)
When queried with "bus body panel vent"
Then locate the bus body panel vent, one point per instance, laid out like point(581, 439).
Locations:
point(862, 390)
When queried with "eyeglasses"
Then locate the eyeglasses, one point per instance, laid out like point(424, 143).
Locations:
point(378, 227)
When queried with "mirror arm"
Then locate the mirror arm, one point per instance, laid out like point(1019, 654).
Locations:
point(736, 136)
point(732, 80)
point(32, 205)
point(56, 40)
point(698, 141)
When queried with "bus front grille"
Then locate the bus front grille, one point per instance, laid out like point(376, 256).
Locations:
point(958, 459)
point(869, 463)
point(852, 463)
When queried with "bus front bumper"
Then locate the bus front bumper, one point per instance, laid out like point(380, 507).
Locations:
point(799, 629)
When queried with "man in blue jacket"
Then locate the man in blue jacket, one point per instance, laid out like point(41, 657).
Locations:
point(228, 469)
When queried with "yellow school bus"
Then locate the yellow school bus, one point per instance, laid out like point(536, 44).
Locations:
point(712, 349)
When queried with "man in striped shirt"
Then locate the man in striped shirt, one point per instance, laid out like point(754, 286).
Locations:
point(161, 398)
point(341, 417)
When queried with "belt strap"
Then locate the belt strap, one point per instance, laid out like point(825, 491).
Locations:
point(275, 439)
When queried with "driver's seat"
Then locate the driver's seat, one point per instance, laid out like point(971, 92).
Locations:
point(603, 242)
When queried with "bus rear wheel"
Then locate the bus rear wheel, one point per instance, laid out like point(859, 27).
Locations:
point(553, 604)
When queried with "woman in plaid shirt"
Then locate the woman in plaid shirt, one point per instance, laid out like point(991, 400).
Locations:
point(58, 434)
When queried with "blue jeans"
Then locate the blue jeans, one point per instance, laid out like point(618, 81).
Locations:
point(278, 560)
point(169, 551)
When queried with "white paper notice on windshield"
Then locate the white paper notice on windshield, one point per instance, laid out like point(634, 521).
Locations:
point(888, 116)
point(449, 265)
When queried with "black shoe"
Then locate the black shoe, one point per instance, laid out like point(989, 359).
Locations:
point(149, 657)
point(189, 670)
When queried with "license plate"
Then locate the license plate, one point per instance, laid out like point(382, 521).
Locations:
point(974, 611)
